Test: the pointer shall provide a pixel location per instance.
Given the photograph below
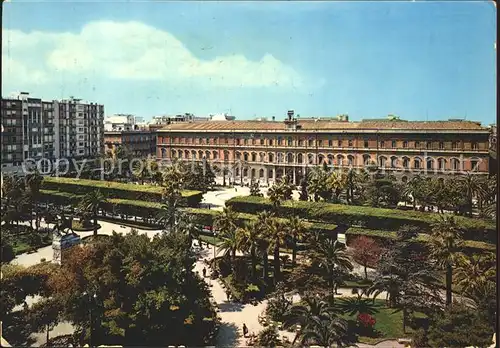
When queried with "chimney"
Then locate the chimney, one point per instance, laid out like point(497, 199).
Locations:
point(273, 118)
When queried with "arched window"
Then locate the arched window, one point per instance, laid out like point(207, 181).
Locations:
point(350, 160)
point(289, 141)
point(455, 164)
point(330, 159)
point(200, 154)
point(417, 163)
point(174, 154)
point(310, 158)
point(406, 162)
point(254, 157)
point(300, 158)
point(215, 155)
point(245, 156)
point(382, 161)
point(237, 172)
point(474, 164)
point(193, 154)
point(179, 153)
point(226, 155)
point(289, 157)
point(261, 173)
point(271, 157)
point(340, 160)
point(441, 163)
point(321, 159)
point(280, 157)
point(163, 152)
point(262, 155)
point(394, 162)
point(270, 173)
point(366, 159)
point(238, 155)
point(252, 173)
point(207, 154)
point(245, 172)
point(430, 163)
point(186, 154)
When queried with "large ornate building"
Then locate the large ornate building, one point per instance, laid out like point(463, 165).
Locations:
point(267, 150)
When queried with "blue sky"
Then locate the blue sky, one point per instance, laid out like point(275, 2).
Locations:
point(418, 60)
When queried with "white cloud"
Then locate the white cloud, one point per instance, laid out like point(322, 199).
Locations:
point(134, 51)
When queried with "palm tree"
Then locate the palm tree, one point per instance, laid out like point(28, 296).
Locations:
point(336, 183)
point(277, 234)
point(390, 284)
point(472, 186)
point(225, 225)
point(264, 220)
point(317, 186)
point(275, 194)
point(445, 244)
point(296, 230)
point(357, 305)
point(352, 181)
point(33, 183)
point(413, 188)
point(228, 244)
point(333, 260)
point(326, 332)
point(91, 203)
point(248, 240)
point(473, 271)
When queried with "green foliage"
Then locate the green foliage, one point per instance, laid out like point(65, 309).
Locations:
point(268, 337)
point(255, 189)
point(383, 193)
point(278, 305)
point(146, 291)
point(459, 326)
point(367, 217)
point(113, 189)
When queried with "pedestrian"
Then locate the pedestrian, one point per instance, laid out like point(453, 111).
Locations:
point(228, 294)
point(245, 330)
point(204, 271)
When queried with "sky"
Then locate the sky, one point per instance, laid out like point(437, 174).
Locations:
point(418, 60)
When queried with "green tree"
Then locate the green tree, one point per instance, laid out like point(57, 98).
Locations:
point(45, 315)
point(445, 245)
point(90, 204)
point(336, 183)
point(269, 337)
point(333, 261)
point(304, 194)
point(459, 326)
point(326, 332)
point(225, 225)
point(471, 188)
point(276, 233)
point(296, 230)
point(146, 292)
point(317, 184)
point(248, 240)
point(255, 189)
point(263, 224)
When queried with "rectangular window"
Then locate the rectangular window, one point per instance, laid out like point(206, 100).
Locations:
point(365, 143)
point(417, 144)
point(310, 142)
point(405, 144)
point(271, 141)
point(261, 141)
point(441, 145)
point(330, 143)
point(382, 144)
point(340, 143)
point(320, 142)
point(393, 144)
point(349, 142)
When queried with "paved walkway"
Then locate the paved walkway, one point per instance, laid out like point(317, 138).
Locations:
point(233, 315)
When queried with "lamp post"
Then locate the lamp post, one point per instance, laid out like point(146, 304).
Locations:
point(91, 298)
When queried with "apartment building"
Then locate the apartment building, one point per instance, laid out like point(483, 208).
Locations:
point(36, 129)
point(138, 143)
point(267, 150)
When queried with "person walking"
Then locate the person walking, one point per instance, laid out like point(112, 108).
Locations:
point(228, 294)
point(245, 330)
point(204, 271)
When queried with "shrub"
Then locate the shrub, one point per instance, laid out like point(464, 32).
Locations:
point(366, 217)
point(268, 337)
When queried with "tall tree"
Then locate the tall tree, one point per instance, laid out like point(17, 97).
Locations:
point(263, 224)
point(91, 203)
point(225, 225)
point(277, 234)
point(296, 230)
point(336, 183)
point(445, 245)
point(248, 240)
point(366, 251)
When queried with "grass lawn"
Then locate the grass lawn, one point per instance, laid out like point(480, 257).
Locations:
point(389, 324)
point(24, 243)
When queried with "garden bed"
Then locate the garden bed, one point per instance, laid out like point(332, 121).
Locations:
point(78, 226)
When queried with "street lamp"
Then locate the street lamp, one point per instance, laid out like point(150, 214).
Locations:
point(91, 323)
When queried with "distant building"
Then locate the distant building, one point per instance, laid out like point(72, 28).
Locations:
point(36, 129)
point(493, 150)
point(268, 150)
point(139, 143)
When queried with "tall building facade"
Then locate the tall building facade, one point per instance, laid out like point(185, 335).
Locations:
point(35, 129)
point(265, 150)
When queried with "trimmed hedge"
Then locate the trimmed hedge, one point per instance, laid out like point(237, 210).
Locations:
point(116, 189)
point(151, 210)
point(366, 217)
point(386, 238)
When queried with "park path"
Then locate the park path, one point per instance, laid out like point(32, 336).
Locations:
point(233, 315)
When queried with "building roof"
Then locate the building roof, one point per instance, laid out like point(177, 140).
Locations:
point(324, 125)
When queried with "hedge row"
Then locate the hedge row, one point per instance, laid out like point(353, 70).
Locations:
point(116, 189)
point(366, 217)
point(386, 238)
point(151, 210)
